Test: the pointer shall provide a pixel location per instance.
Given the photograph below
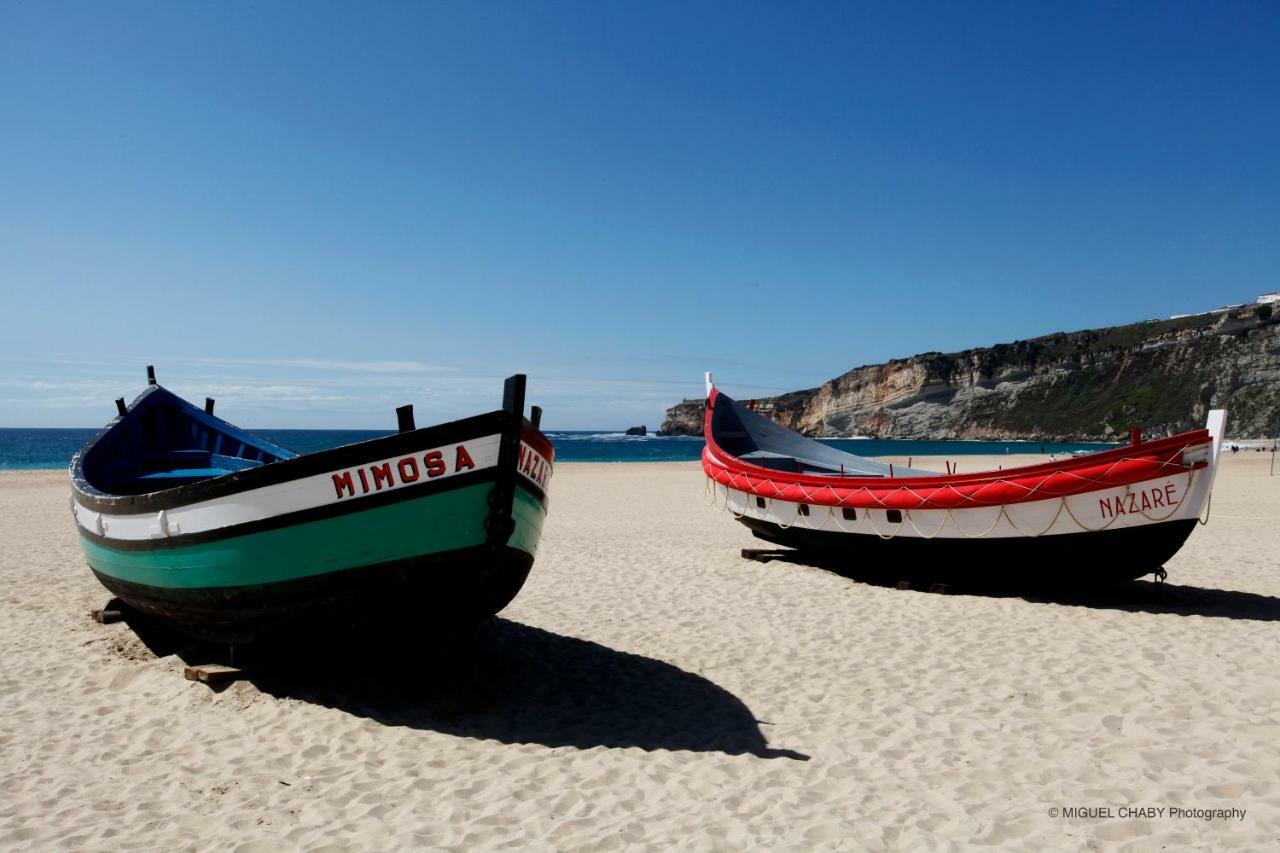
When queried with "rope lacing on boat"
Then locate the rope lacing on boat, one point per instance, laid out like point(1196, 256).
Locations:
point(753, 485)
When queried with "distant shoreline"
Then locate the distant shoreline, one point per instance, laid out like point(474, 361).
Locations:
point(50, 450)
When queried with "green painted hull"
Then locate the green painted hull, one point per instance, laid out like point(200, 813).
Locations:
point(447, 521)
point(426, 552)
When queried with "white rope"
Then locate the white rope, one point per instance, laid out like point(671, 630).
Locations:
point(981, 535)
point(1062, 502)
point(920, 533)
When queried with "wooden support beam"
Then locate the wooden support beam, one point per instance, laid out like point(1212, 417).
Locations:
point(106, 617)
point(763, 555)
point(213, 673)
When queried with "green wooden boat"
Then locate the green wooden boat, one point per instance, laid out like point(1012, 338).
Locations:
point(227, 536)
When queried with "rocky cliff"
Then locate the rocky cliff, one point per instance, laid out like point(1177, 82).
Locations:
point(1089, 385)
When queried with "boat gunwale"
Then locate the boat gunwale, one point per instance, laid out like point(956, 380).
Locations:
point(297, 467)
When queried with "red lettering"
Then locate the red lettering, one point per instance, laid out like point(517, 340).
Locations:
point(1133, 500)
point(341, 481)
point(1146, 504)
point(1104, 507)
point(382, 474)
point(364, 483)
point(463, 460)
point(1117, 506)
point(1168, 494)
point(435, 463)
point(1157, 498)
point(408, 469)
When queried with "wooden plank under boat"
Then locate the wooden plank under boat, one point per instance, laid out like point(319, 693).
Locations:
point(1104, 517)
point(227, 536)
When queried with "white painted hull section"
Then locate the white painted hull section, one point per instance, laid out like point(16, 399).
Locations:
point(1179, 497)
point(282, 498)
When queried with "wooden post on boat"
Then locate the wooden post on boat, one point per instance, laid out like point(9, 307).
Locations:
point(208, 405)
point(404, 418)
point(121, 408)
point(1135, 435)
point(499, 525)
point(535, 416)
point(151, 374)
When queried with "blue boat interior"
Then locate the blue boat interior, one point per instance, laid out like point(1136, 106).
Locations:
point(164, 442)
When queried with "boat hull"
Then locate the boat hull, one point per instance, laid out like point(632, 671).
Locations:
point(425, 555)
point(438, 591)
point(1097, 557)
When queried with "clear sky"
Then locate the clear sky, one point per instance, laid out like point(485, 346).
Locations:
point(316, 212)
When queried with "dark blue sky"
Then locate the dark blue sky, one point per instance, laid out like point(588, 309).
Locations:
point(321, 211)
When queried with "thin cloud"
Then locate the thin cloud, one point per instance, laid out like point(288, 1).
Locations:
point(342, 365)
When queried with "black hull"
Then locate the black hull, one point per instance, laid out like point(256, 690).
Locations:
point(455, 589)
point(1072, 559)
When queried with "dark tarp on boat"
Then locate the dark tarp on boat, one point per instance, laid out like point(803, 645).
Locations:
point(757, 440)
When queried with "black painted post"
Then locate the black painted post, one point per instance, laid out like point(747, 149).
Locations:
point(151, 374)
point(535, 416)
point(500, 524)
point(404, 418)
point(513, 395)
point(120, 407)
point(208, 405)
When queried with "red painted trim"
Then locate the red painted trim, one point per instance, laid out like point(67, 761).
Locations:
point(538, 442)
point(1105, 470)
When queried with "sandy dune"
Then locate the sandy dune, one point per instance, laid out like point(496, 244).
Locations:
point(651, 688)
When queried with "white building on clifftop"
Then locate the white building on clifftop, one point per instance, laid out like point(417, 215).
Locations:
point(1268, 298)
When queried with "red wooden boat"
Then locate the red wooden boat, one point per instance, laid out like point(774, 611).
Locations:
point(1110, 516)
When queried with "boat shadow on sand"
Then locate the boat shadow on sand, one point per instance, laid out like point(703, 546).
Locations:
point(501, 681)
point(1135, 596)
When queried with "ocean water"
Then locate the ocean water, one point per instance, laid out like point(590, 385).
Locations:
point(53, 448)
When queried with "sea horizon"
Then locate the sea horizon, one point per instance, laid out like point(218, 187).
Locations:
point(43, 448)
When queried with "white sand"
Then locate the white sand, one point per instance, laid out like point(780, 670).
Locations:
point(651, 688)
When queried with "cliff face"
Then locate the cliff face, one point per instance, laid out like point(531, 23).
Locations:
point(1090, 385)
point(684, 418)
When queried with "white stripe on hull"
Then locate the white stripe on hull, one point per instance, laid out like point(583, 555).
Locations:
point(344, 485)
point(1169, 498)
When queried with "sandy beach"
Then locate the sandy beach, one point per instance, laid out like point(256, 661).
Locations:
point(651, 688)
